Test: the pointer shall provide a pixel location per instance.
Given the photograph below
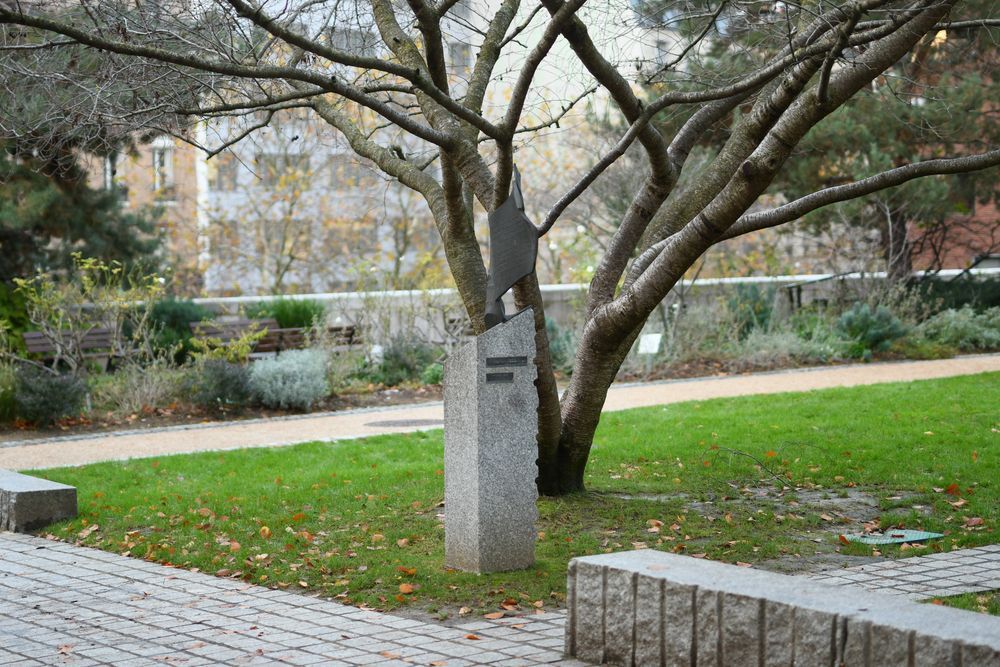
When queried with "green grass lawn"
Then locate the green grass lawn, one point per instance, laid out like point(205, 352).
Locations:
point(742, 480)
point(984, 603)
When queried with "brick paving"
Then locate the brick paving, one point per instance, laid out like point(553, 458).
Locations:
point(66, 605)
point(934, 575)
point(62, 604)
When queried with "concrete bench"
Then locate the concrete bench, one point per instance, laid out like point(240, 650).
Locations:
point(28, 503)
point(652, 608)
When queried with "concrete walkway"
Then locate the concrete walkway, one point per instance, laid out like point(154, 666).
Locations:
point(63, 604)
point(360, 423)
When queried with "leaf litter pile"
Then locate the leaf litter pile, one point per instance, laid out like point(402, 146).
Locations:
point(770, 481)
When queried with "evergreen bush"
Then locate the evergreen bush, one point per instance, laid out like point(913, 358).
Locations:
point(43, 397)
point(219, 384)
point(870, 329)
point(172, 319)
point(289, 313)
point(964, 329)
point(296, 379)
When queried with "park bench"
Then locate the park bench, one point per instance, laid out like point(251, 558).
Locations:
point(276, 339)
point(649, 607)
point(98, 343)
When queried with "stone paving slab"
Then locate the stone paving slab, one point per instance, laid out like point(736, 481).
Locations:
point(63, 604)
point(934, 575)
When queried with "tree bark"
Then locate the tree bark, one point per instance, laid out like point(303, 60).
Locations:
point(896, 246)
point(595, 368)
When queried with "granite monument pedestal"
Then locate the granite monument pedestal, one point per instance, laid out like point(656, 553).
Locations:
point(491, 452)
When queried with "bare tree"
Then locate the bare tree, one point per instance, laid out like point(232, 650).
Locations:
point(391, 77)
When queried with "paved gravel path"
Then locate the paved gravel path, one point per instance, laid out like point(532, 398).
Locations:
point(361, 423)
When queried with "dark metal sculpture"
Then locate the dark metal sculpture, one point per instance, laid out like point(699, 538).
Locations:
point(513, 248)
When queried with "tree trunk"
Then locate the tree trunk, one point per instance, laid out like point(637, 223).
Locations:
point(896, 246)
point(594, 370)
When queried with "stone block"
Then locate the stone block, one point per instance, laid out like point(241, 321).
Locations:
point(589, 615)
point(815, 637)
point(890, 646)
point(717, 614)
point(707, 632)
point(649, 613)
point(28, 503)
point(491, 452)
point(619, 617)
point(855, 642)
point(741, 621)
point(678, 623)
point(778, 639)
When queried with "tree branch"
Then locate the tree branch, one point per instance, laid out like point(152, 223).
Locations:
point(886, 179)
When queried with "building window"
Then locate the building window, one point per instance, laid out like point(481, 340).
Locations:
point(225, 177)
point(110, 171)
point(163, 169)
point(460, 57)
point(271, 167)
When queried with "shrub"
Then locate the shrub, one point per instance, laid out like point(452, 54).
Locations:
point(14, 311)
point(751, 307)
point(964, 329)
point(42, 397)
point(776, 347)
point(966, 290)
point(8, 385)
point(172, 319)
point(433, 374)
point(218, 384)
point(869, 329)
point(562, 347)
point(403, 360)
point(132, 388)
point(289, 313)
point(296, 379)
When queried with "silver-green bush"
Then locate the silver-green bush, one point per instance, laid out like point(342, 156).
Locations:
point(296, 379)
point(964, 328)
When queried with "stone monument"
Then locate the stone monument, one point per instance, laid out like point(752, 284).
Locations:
point(491, 416)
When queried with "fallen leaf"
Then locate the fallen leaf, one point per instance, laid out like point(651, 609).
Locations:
point(464, 610)
point(406, 589)
point(234, 545)
point(953, 490)
point(389, 655)
point(66, 649)
point(698, 555)
point(494, 615)
point(843, 539)
point(958, 503)
point(265, 532)
point(472, 637)
point(298, 516)
point(403, 542)
point(742, 564)
point(86, 532)
point(378, 537)
point(974, 521)
point(438, 663)
point(410, 571)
